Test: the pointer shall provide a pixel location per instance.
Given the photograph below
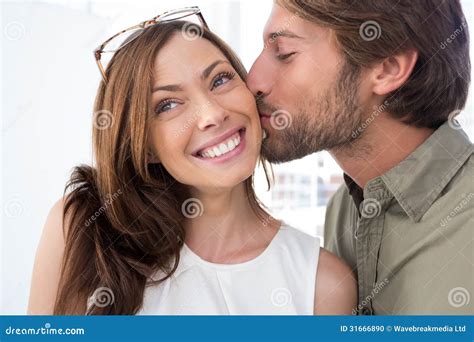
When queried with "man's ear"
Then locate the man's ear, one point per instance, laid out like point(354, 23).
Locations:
point(391, 73)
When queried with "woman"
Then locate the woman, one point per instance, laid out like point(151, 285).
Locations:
point(167, 221)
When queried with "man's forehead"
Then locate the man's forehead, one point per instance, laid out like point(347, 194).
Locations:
point(280, 19)
point(283, 23)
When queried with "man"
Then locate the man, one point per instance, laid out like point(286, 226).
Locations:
point(378, 84)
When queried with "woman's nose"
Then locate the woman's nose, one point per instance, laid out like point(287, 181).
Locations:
point(210, 114)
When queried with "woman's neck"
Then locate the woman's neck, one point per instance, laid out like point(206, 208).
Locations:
point(228, 229)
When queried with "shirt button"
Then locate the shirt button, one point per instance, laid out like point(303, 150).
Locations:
point(366, 311)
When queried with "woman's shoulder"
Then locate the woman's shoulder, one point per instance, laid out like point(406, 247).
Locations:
point(297, 249)
point(46, 271)
point(298, 241)
point(336, 286)
point(290, 232)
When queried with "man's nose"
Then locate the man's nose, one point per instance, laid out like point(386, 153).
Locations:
point(259, 78)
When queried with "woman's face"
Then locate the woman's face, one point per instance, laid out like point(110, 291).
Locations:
point(205, 128)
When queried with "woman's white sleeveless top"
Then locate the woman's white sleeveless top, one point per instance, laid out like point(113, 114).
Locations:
point(279, 281)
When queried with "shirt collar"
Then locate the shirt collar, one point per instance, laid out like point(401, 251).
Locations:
point(418, 180)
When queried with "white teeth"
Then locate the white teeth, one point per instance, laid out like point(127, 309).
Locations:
point(216, 151)
point(222, 148)
point(231, 145)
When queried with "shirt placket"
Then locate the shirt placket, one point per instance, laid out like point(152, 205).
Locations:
point(368, 237)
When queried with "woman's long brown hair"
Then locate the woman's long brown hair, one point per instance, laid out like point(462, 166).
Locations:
point(122, 217)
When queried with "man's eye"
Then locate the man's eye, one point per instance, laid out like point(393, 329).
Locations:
point(285, 56)
point(221, 79)
point(165, 106)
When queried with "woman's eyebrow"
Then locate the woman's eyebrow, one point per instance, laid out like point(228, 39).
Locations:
point(170, 87)
point(208, 70)
point(205, 74)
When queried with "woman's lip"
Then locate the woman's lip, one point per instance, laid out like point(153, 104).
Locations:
point(225, 157)
point(218, 140)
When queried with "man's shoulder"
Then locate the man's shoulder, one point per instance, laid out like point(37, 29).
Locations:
point(461, 183)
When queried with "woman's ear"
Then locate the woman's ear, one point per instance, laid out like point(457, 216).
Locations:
point(152, 158)
point(392, 72)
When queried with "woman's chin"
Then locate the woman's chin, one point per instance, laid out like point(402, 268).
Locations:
point(223, 178)
point(230, 178)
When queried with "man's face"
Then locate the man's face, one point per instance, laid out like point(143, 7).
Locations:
point(307, 94)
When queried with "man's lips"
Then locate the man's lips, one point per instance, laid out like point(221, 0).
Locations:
point(265, 118)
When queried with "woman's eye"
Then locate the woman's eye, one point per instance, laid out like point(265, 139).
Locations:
point(222, 79)
point(165, 106)
point(285, 56)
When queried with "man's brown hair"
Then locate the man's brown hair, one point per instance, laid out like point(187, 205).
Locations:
point(369, 31)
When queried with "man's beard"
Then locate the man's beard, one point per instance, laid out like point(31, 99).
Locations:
point(323, 123)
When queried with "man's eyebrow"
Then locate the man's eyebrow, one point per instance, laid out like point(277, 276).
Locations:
point(205, 74)
point(283, 33)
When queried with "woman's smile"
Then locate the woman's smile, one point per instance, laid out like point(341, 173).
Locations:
point(223, 148)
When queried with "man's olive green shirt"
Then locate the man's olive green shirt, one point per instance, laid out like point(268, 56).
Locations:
point(408, 235)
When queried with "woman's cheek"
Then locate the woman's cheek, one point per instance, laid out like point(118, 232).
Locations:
point(240, 100)
point(174, 140)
